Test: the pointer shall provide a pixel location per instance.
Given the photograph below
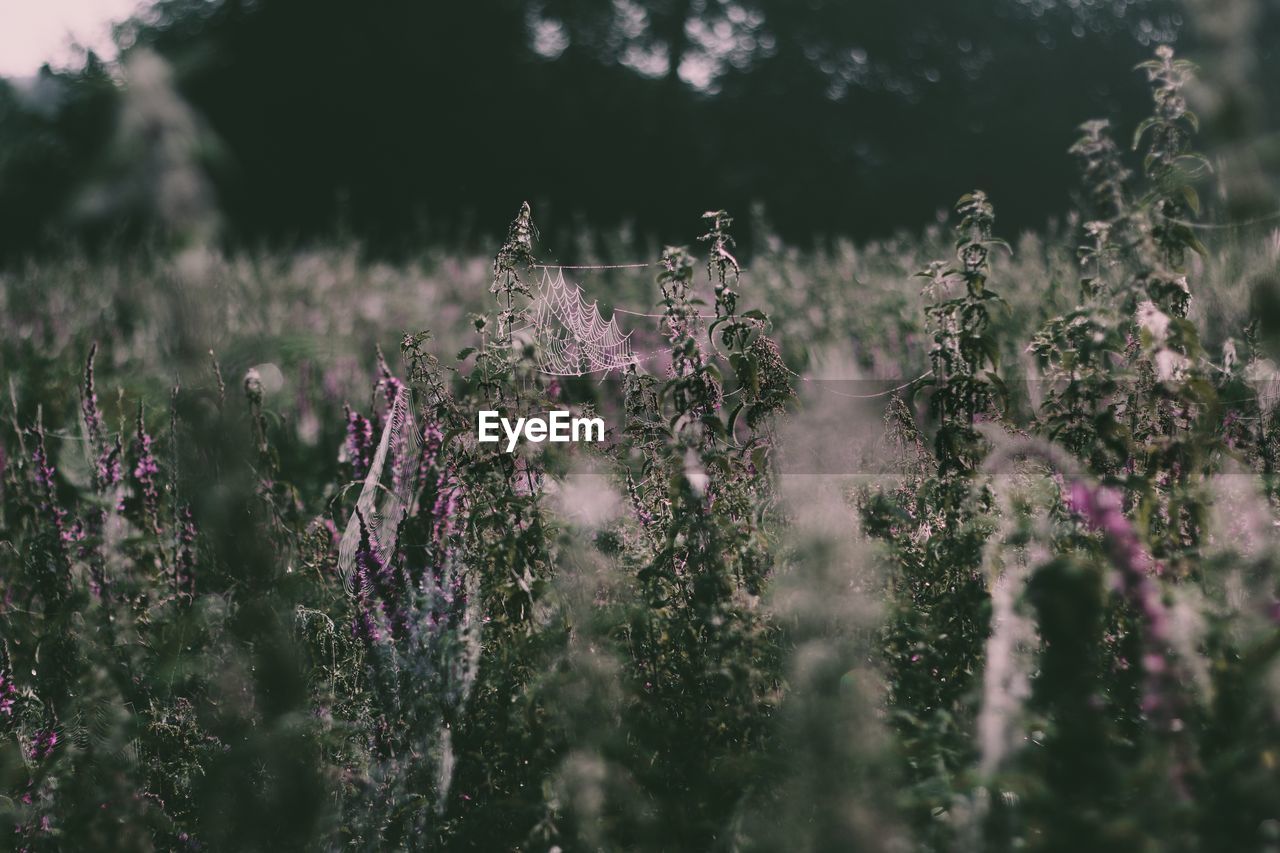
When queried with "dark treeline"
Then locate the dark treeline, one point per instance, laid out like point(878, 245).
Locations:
point(401, 119)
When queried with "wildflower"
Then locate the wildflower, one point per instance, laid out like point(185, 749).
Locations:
point(387, 381)
point(107, 462)
point(358, 448)
point(43, 744)
point(44, 471)
point(1101, 509)
point(374, 589)
point(445, 511)
point(8, 692)
point(107, 472)
point(364, 628)
point(74, 533)
point(45, 477)
point(89, 403)
point(432, 444)
point(145, 470)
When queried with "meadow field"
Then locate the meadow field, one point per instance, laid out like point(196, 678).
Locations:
point(959, 540)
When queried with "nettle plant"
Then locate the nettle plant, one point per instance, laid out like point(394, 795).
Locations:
point(1067, 558)
point(461, 719)
point(936, 521)
point(1125, 378)
point(965, 354)
point(1124, 594)
point(702, 672)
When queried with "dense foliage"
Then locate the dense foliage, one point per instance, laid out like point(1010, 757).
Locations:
point(1040, 613)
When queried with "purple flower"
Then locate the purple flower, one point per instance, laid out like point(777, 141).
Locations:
point(358, 448)
point(374, 589)
point(43, 469)
point(390, 384)
point(1102, 511)
point(8, 692)
point(432, 443)
point(74, 533)
point(445, 511)
point(106, 474)
point(45, 476)
point(43, 744)
point(89, 403)
point(364, 628)
point(335, 536)
point(145, 470)
point(108, 471)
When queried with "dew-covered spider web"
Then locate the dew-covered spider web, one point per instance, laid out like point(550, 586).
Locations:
point(387, 492)
point(570, 336)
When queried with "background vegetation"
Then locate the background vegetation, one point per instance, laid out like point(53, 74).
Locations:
point(916, 541)
point(407, 121)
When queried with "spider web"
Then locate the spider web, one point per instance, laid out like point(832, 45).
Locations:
point(387, 492)
point(571, 337)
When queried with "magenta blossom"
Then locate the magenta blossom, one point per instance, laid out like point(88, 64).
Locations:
point(145, 470)
point(1101, 510)
point(43, 744)
point(8, 693)
point(358, 447)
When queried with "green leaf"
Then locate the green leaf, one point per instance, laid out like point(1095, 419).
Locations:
point(715, 425)
point(1142, 129)
point(733, 418)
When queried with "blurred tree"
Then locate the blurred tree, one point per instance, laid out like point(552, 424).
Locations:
point(1234, 50)
point(155, 173)
point(51, 128)
point(402, 118)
